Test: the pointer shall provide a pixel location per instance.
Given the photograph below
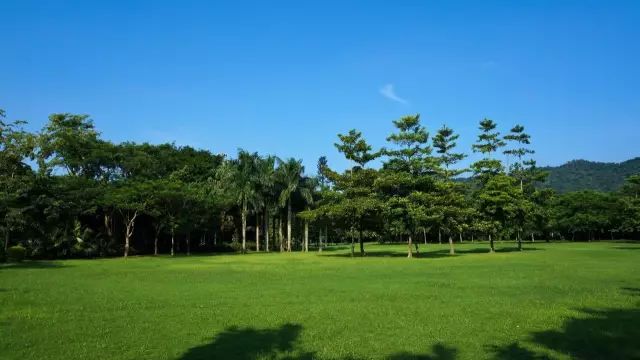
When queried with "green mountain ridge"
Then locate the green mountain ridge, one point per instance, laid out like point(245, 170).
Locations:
point(578, 175)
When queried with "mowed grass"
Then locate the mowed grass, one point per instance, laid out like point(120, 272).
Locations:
point(559, 300)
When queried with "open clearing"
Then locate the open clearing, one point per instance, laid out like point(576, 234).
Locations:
point(556, 300)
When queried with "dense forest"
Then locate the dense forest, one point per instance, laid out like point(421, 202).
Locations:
point(579, 175)
point(67, 192)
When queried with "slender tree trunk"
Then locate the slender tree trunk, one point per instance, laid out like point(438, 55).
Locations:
point(361, 239)
point(353, 245)
point(409, 247)
point(155, 242)
point(492, 248)
point(244, 227)
point(257, 232)
point(188, 239)
point(424, 234)
point(215, 238)
point(451, 249)
point(7, 235)
point(519, 241)
point(266, 230)
point(172, 241)
point(129, 227)
point(319, 239)
point(460, 238)
point(439, 236)
point(306, 236)
point(472, 238)
point(533, 239)
point(289, 226)
point(280, 236)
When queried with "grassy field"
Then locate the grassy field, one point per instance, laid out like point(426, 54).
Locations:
point(569, 300)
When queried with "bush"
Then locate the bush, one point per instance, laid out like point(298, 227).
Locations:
point(16, 253)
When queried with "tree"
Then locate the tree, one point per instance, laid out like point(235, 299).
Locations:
point(290, 175)
point(449, 202)
point(357, 202)
point(16, 146)
point(130, 198)
point(519, 139)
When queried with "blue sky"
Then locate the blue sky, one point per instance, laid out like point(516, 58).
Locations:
point(285, 77)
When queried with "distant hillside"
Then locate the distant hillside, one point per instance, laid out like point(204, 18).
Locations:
point(589, 175)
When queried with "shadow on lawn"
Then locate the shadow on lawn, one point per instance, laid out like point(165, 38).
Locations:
point(427, 253)
point(32, 265)
point(281, 343)
point(597, 334)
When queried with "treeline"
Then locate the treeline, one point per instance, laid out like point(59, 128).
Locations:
point(66, 192)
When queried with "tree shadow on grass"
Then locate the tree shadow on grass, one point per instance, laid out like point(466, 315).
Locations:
point(438, 352)
point(249, 343)
point(427, 253)
point(514, 351)
point(282, 343)
point(33, 265)
point(598, 334)
point(627, 247)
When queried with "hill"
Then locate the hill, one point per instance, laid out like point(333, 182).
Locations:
point(590, 175)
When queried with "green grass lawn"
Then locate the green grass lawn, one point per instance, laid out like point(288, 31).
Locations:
point(564, 300)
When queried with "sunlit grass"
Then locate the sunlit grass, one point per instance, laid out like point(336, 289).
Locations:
point(472, 305)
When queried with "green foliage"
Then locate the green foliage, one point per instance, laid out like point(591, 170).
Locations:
point(16, 253)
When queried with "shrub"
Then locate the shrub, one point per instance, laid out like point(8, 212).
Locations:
point(16, 253)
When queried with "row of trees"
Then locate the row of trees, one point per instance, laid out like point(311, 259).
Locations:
point(65, 191)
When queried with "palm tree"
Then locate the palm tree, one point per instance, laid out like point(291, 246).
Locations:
point(289, 175)
point(306, 189)
point(240, 174)
point(264, 179)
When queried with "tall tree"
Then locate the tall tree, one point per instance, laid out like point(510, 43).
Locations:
point(449, 200)
point(290, 175)
point(409, 170)
point(518, 140)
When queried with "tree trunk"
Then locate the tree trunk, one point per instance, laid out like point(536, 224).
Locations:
point(533, 239)
point(353, 246)
point(492, 249)
point(439, 236)
point(188, 239)
point(424, 234)
point(257, 232)
point(280, 237)
point(451, 249)
point(6, 239)
point(519, 241)
point(472, 237)
point(319, 239)
point(155, 243)
point(244, 227)
point(266, 230)
point(460, 238)
point(306, 236)
point(361, 240)
point(215, 238)
point(289, 226)
point(172, 241)
point(129, 227)
point(409, 247)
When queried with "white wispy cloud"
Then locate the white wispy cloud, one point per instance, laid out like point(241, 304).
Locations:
point(389, 92)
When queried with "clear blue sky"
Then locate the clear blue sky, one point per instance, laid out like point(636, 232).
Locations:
point(285, 77)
